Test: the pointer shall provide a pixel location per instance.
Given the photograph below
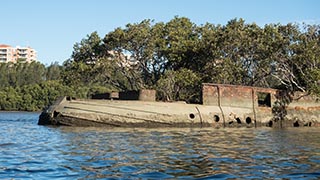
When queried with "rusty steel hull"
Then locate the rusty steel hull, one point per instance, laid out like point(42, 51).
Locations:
point(117, 113)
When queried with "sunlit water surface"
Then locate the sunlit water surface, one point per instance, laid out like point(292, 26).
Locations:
point(29, 151)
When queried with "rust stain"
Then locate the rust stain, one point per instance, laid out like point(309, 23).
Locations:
point(315, 108)
point(299, 108)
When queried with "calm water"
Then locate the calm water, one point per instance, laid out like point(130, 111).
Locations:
point(29, 151)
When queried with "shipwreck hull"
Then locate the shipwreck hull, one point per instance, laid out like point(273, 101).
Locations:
point(223, 106)
point(111, 113)
point(108, 113)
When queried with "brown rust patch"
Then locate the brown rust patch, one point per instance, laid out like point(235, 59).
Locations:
point(316, 108)
point(299, 108)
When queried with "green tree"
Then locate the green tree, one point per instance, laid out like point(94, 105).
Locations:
point(89, 50)
point(80, 68)
point(133, 46)
point(4, 79)
point(182, 40)
point(179, 85)
point(53, 72)
point(306, 59)
point(12, 100)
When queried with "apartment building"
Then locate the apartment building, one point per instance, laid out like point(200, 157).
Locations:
point(13, 54)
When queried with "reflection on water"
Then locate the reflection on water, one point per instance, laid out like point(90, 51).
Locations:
point(40, 152)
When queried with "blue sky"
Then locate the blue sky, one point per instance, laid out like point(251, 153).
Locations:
point(52, 27)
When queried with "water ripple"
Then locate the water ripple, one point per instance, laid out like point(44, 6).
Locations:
point(29, 151)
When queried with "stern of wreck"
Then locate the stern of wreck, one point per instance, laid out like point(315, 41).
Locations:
point(257, 106)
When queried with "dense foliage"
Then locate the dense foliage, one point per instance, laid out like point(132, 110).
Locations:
point(152, 55)
point(32, 87)
point(173, 58)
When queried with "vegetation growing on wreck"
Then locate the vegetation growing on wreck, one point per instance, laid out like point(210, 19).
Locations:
point(161, 55)
point(173, 57)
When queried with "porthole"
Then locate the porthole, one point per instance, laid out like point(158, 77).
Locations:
point(296, 124)
point(216, 118)
point(238, 120)
point(308, 124)
point(270, 124)
point(248, 120)
point(191, 116)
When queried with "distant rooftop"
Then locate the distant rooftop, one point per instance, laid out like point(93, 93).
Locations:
point(4, 46)
point(14, 54)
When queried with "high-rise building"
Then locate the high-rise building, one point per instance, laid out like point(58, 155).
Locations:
point(15, 54)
